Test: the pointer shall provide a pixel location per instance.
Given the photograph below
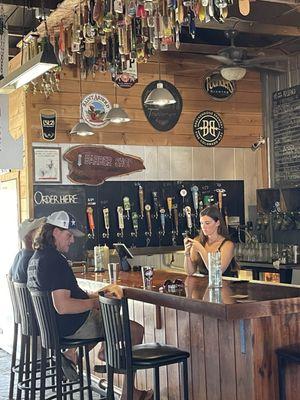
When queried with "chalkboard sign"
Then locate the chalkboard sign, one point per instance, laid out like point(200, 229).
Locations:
point(50, 198)
point(286, 136)
point(166, 117)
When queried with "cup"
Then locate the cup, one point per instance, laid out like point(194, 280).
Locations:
point(214, 270)
point(113, 272)
point(147, 275)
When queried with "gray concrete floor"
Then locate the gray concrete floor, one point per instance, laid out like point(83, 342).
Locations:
point(5, 360)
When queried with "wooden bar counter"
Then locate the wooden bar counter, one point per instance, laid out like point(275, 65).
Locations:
point(231, 335)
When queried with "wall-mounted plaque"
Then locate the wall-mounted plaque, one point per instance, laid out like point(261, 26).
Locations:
point(47, 164)
point(92, 165)
point(48, 123)
point(218, 87)
point(94, 109)
point(162, 118)
point(286, 136)
point(208, 128)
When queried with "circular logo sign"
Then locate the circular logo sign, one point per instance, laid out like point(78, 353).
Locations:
point(208, 128)
point(94, 109)
point(218, 87)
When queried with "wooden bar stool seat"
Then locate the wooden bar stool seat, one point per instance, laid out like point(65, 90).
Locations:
point(122, 357)
point(285, 355)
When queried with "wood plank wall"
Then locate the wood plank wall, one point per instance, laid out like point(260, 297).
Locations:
point(241, 114)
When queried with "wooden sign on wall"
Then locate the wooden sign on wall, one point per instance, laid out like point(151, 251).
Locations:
point(92, 165)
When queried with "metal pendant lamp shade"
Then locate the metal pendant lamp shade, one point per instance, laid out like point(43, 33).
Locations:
point(81, 128)
point(160, 96)
point(30, 70)
point(117, 115)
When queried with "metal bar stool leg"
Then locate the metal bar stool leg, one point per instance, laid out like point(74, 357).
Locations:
point(21, 365)
point(13, 362)
point(281, 377)
point(59, 376)
point(130, 382)
point(156, 383)
point(185, 380)
point(43, 373)
point(88, 372)
point(27, 366)
point(80, 367)
point(33, 368)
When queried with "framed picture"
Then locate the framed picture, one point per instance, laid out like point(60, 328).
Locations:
point(47, 164)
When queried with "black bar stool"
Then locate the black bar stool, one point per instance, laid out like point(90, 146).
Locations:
point(17, 320)
point(285, 355)
point(122, 357)
point(45, 314)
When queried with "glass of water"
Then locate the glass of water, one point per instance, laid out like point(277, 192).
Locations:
point(214, 270)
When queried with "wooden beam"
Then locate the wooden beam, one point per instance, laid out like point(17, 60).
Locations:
point(251, 27)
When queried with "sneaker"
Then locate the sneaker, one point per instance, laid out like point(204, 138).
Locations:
point(69, 368)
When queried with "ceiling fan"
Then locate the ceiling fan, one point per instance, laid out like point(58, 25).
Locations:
point(236, 60)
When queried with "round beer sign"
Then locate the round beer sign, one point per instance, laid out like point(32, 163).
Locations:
point(218, 87)
point(94, 109)
point(208, 128)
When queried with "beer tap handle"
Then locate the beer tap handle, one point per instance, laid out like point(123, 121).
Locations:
point(141, 200)
point(106, 221)
point(162, 212)
point(90, 216)
point(155, 203)
point(188, 214)
point(135, 223)
point(195, 195)
point(176, 223)
point(126, 204)
point(183, 193)
point(148, 216)
point(169, 204)
point(120, 220)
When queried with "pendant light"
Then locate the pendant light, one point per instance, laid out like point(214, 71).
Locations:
point(159, 96)
point(81, 128)
point(116, 114)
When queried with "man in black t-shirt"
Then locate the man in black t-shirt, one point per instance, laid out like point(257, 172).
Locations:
point(26, 232)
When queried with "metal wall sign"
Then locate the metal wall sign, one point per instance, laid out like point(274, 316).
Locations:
point(162, 118)
point(219, 88)
point(208, 128)
point(94, 109)
point(48, 123)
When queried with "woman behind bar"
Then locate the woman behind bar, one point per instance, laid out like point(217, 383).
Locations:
point(213, 237)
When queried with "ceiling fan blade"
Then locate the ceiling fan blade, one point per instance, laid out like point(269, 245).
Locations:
point(267, 68)
point(266, 59)
point(221, 59)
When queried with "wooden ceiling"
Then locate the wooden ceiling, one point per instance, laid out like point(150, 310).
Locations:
point(271, 27)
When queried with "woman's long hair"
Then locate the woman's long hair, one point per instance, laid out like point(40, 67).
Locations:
point(214, 213)
point(44, 237)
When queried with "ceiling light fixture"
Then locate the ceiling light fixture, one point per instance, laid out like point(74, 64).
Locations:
point(233, 73)
point(159, 96)
point(116, 114)
point(81, 128)
point(31, 69)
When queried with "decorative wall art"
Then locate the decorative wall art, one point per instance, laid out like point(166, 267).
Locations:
point(219, 88)
point(48, 123)
point(92, 165)
point(208, 128)
point(47, 164)
point(162, 118)
point(94, 109)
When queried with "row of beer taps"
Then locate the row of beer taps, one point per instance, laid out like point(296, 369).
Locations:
point(157, 210)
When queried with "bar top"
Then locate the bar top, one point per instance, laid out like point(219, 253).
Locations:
point(235, 300)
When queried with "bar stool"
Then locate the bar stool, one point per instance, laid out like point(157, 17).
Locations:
point(45, 314)
point(17, 320)
point(122, 357)
point(285, 355)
